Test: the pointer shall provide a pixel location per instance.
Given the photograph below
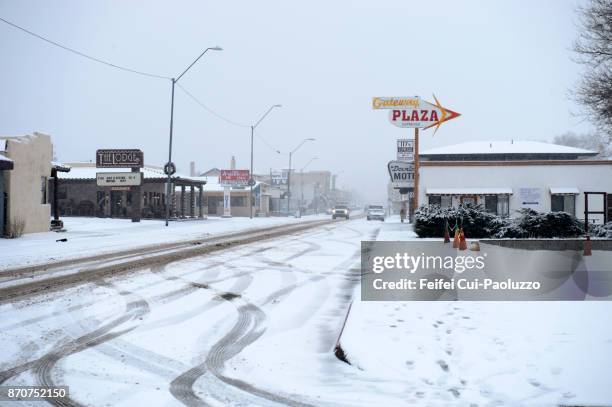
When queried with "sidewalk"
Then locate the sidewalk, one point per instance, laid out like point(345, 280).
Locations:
point(508, 353)
point(92, 236)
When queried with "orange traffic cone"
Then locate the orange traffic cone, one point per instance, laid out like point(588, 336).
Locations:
point(456, 239)
point(587, 246)
point(446, 236)
point(462, 242)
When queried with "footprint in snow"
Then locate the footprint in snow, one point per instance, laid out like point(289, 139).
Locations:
point(443, 365)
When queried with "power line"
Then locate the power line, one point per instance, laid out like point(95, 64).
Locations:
point(209, 110)
point(225, 119)
point(74, 51)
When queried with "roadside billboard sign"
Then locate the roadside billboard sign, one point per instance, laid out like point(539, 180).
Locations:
point(279, 177)
point(234, 177)
point(414, 112)
point(401, 173)
point(405, 149)
point(118, 179)
point(119, 158)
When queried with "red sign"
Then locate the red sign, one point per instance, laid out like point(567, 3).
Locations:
point(234, 177)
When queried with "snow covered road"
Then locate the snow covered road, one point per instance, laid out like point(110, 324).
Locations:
point(254, 325)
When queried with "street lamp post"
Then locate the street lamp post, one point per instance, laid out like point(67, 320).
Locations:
point(251, 180)
point(169, 168)
point(302, 182)
point(289, 173)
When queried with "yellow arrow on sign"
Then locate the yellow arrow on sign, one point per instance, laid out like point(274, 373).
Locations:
point(447, 115)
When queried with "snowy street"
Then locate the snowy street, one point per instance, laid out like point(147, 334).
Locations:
point(248, 326)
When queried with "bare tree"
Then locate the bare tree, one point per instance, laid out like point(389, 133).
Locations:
point(588, 141)
point(594, 50)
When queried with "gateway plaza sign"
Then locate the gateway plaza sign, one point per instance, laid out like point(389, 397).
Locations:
point(414, 113)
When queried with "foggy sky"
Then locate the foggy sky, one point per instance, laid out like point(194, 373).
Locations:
point(504, 65)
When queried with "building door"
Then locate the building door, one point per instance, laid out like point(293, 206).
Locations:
point(116, 204)
point(212, 205)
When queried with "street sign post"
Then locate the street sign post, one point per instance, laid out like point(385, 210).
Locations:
point(227, 202)
point(414, 112)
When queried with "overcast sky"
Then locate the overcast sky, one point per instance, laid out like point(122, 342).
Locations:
point(504, 65)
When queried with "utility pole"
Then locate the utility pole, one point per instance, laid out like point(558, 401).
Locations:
point(289, 173)
point(251, 179)
point(170, 168)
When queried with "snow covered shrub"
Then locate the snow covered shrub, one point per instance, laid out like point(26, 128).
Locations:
point(604, 231)
point(551, 224)
point(477, 223)
point(429, 221)
point(533, 224)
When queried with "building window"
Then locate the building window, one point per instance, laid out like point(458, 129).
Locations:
point(238, 201)
point(446, 201)
point(435, 200)
point(503, 205)
point(43, 190)
point(563, 203)
point(491, 203)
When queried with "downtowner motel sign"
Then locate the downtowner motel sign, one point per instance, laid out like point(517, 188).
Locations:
point(414, 113)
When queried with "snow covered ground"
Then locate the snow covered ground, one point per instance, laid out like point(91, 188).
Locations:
point(92, 236)
point(257, 326)
point(484, 353)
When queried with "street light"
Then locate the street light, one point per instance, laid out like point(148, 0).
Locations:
point(302, 182)
point(169, 168)
point(289, 173)
point(252, 181)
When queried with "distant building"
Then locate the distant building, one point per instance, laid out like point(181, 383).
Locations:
point(505, 176)
point(25, 170)
point(239, 198)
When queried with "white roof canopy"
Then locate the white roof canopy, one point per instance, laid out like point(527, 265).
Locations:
point(564, 191)
point(469, 191)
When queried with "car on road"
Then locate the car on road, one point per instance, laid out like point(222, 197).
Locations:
point(375, 212)
point(340, 211)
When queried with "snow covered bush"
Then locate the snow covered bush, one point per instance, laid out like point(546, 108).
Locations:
point(604, 231)
point(533, 224)
point(477, 223)
point(429, 221)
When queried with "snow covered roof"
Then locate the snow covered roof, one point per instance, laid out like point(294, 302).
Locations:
point(469, 191)
point(506, 147)
point(89, 170)
point(564, 191)
point(3, 158)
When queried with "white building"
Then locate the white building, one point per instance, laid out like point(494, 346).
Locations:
point(508, 175)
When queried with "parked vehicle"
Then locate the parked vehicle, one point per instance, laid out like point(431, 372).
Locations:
point(340, 211)
point(375, 212)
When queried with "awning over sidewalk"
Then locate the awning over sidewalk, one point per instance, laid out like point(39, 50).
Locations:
point(469, 191)
point(564, 191)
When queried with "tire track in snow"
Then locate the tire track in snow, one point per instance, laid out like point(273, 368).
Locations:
point(42, 367)
point(247, 329)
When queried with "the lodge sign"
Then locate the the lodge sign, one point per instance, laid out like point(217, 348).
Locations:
point(119, 158)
